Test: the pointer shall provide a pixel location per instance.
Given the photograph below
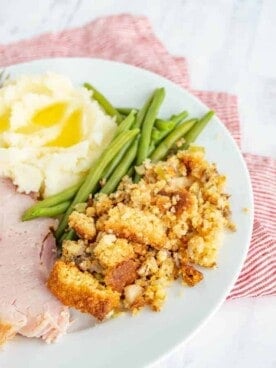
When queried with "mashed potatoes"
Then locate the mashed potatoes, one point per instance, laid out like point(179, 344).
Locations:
point(50, 132)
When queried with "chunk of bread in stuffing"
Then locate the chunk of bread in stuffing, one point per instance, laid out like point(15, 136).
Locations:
point(110, 250)
point(190, 275)
point(121, 275)
point(72, 249)
point(83, 225)
point(203, 252)
point(135, 225)
point(81, 290)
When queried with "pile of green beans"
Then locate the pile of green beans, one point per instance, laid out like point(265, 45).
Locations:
point(140, 134)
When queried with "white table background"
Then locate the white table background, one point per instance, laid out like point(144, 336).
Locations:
point(230, 45)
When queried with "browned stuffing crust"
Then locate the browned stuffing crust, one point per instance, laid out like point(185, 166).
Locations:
point(80, 290)
point(134, 242)
point(135, 225)
point(190, 275)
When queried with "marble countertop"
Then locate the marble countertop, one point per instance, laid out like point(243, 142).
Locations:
point(230, 47)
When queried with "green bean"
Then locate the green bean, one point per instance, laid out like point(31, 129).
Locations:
point(121, 170)
point(179, 117)
point(54, 200)
point(103, 102)
point(192, 134)
point(151, 148)
point(46, 211)
point(68, 235)
point(131, 171)
point(166, 125)
point(114, 163)
point(156, 135)
point(126, 110)
point(142, 112)
point(163, 128)
point(95, 173)
point(147, 126)
point(162, 149)
point(126, 123)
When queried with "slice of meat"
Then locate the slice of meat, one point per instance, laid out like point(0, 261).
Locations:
point(27, 253)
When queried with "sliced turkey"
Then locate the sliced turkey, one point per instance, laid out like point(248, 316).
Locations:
point(27, 253)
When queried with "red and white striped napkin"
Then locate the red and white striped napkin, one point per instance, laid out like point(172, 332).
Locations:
point(113, 38)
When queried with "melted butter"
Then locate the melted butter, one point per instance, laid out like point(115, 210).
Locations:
point(55, 114)
point(50, 115)
point(5, 121)
point(44, 118)
point(28, 129)
point(71, 132)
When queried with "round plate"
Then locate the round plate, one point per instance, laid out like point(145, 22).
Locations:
point(136, 341)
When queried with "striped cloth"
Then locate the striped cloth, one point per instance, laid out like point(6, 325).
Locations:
point(113, 38)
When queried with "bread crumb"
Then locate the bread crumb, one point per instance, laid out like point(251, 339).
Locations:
point(111, 251)
point(83, 225)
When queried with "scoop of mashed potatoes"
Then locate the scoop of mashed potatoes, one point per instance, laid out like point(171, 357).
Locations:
point(50, 132)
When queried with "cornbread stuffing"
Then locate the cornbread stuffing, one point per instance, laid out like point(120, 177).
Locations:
point(133, 243)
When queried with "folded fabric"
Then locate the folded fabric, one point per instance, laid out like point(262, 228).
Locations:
point(113, 38)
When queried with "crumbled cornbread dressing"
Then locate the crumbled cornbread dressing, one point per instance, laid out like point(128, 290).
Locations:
point(134, 242)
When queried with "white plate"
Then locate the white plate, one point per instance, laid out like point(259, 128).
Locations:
point(136, 341)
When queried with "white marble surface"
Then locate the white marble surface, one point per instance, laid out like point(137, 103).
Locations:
point(231, 47)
